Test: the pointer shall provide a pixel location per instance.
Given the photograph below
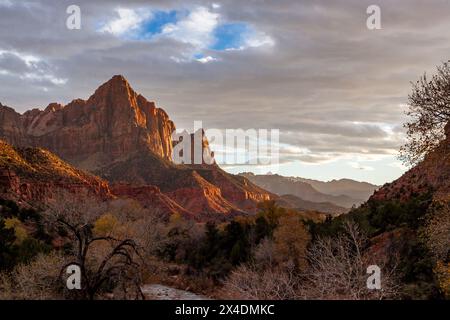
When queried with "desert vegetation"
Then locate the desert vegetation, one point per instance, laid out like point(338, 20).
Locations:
point(276, 254)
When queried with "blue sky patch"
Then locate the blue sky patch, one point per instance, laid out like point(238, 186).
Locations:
point(229, 36)
point(156, 24)
point(146, 24)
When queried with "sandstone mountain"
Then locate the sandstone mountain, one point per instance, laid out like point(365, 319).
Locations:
point(125, 139)
point(113, 122)
point(304, 189)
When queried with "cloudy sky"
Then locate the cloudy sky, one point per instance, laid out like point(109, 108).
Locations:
point(312, 69)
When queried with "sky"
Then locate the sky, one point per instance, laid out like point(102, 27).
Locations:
point(335, 89)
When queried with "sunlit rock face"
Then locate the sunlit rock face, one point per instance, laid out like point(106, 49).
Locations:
point(114, 122)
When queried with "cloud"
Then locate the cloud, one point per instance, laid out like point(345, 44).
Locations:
point(43, 78)
point(28, 59)
point(239, 36)
point(206, 59)
point(127, 20)
point(258, 39)
point(201, 28)
point(195, 29)
point(27, 67)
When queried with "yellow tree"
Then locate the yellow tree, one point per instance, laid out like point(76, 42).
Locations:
point(19, 230)
point(291, 240)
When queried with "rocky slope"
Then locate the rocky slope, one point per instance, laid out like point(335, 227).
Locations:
point(36, 176)
point(125, 139)
point(408, 220)
point(202, 190)
point(431, 175)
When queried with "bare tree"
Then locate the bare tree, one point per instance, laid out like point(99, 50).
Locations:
point(429, 107)
point(74, 208)
point(264, 253)
point(117, 268)
point(338, 268)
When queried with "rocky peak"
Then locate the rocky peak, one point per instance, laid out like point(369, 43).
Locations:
point(117, 90)
point(52, 107)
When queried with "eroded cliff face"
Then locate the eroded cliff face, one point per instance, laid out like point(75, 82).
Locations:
point(114, 122)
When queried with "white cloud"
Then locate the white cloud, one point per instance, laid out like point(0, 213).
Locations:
point(258, 39)
point(195, 29)
point(127, 20)
point(36, 68)
point(44, 77)
point(27, 58)
point(206, 59)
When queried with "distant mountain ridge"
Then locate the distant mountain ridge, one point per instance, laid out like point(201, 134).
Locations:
point(354, 189)
point(343, 193)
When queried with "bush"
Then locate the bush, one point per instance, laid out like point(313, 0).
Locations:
point(7, 250)
point(251, 283)
point(37, 280)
